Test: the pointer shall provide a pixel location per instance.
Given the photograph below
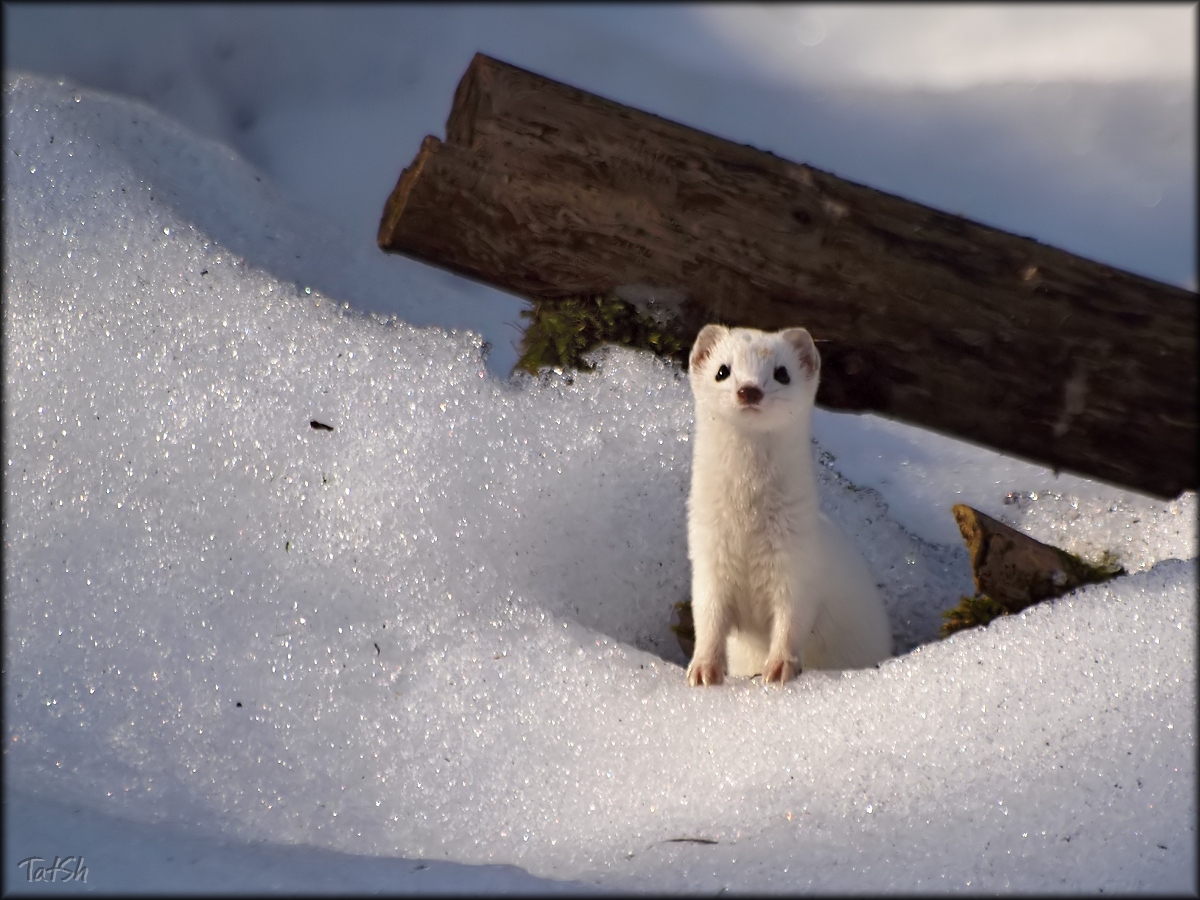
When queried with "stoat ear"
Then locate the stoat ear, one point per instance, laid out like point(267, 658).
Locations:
point(705, 341)
point(806, 350)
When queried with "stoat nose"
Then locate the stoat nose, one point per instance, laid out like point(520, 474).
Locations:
point(749, 394)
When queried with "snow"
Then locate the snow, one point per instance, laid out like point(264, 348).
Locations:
point(122, 857)
point(243, 653)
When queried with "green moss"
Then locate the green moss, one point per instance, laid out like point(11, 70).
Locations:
point(1106, 567)
point(684, 628)
point(982, 609)
point(972, 612)
point(1079, 572)
point(561, 332)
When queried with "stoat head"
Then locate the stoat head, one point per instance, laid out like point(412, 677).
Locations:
point(756, 380)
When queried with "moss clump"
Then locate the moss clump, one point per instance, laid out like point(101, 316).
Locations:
point(981, 609)
point(561, 332)
point(1108, 566)
point(684, 628)
point(972, 612)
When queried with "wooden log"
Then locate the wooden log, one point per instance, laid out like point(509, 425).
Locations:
point(1017, 570)
point(551, 192)
point(1014, 571)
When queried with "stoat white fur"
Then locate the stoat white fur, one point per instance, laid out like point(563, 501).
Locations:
point(775, 584)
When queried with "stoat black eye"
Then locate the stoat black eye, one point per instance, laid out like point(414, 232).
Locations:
point(723, 372)
point(781, 375)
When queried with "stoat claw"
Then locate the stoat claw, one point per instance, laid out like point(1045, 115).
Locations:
point(704, 673)
point(780, 670)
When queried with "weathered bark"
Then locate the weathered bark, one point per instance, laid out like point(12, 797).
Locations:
point(929, 318)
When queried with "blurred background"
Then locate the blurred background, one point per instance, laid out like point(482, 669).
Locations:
point(1073, 124)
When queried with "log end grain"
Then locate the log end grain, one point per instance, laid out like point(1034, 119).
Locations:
point(393, 209)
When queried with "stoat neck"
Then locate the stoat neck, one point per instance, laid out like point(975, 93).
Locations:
point(785, 457)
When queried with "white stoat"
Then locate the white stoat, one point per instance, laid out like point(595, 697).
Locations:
point(775, 584)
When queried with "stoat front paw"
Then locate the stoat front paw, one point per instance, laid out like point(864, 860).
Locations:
point(705, 673)
point(780, 670)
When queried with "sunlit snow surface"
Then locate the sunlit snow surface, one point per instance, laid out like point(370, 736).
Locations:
point(440, 630)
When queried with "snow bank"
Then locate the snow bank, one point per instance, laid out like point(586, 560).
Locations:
point(440, 629)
